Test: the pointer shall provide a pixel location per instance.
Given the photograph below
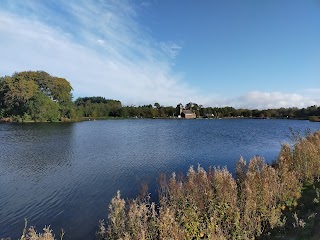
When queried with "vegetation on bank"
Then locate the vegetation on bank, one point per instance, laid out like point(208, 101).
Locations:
point(31, 234)
point(36, 96)
point(303, 222)
point(259, 203)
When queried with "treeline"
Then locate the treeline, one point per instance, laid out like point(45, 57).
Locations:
point(113, 108)
point(37, 96)
point(96, 107)
point(291, 113)
point(214, 205)
point(100, 107)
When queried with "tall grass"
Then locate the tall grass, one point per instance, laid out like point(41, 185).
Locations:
point(31, 234)
point(213, 204)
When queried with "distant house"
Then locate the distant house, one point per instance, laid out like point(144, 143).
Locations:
point(188, 114)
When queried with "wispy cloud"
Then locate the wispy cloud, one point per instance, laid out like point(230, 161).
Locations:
point(171, 49)
point(311, 90)
point(98, 46)
point(265, 100)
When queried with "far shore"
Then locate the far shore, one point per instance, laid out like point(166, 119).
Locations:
point(14, 120)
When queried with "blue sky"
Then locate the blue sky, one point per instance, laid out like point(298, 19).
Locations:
point(251, 54)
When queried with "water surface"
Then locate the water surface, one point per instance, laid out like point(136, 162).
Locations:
point(66, 174)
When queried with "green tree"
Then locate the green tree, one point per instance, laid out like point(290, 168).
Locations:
point(42, 108)
point(58, 89)
point(15, 92)
point(30, 91)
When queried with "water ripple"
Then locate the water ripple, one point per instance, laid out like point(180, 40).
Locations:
point(66, 174)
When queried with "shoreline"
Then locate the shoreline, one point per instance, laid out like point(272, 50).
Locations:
point(13, 120)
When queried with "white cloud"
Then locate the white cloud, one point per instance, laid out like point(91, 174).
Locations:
point(106, 55)
point(100, 41)
point(265, 100)
point(311, 90)
point(171, 49)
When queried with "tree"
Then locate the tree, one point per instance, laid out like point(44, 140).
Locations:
point(42, 108)
point(15, 92)
point(157, 105)
point(30, 91)
point(58, 89)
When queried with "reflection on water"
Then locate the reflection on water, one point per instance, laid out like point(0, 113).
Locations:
point(66, 174)
point(36, 147)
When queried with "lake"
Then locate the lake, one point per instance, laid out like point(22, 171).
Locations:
point(65, 175)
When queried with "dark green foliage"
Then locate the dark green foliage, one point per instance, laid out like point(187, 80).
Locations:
point(148, 111)
point(98, 107)
point(82, 101)
point(290, 113)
